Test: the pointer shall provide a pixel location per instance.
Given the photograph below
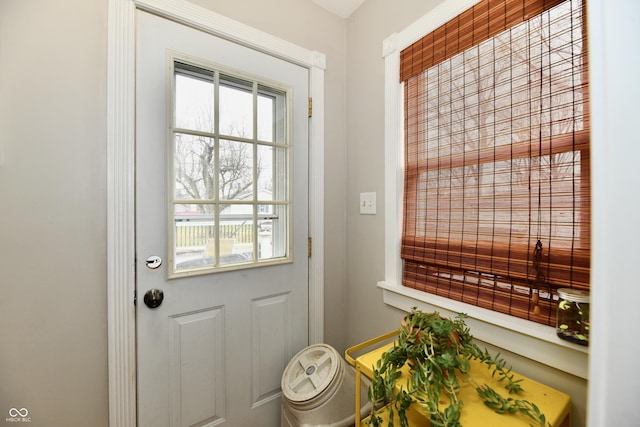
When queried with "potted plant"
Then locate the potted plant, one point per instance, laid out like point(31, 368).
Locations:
point(438, 351)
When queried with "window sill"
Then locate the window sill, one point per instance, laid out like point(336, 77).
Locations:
point(528, 339)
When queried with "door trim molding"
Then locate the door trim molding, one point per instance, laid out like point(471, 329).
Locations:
point(120, 177)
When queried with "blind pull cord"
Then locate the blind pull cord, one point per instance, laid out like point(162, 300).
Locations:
point(538, 275)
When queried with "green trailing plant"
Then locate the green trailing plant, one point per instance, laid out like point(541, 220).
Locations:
point(438, 353)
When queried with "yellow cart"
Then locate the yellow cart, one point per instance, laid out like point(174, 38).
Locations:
point(554, 404)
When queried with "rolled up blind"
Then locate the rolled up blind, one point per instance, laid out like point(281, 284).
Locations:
point(497, 184)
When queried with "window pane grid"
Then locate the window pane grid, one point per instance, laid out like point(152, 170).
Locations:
point(229, 201)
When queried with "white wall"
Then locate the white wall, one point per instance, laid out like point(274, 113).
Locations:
point(53, 323)
point(614, 389)
point(366, 29)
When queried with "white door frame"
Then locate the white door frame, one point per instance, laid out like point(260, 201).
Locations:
point(120, 177)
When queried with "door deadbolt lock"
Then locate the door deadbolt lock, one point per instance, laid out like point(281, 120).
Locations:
point(154, 262)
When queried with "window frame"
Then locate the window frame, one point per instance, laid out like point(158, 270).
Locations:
point(523, 337)
point(223, 76)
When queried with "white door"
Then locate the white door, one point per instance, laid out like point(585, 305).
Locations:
point(230, 230)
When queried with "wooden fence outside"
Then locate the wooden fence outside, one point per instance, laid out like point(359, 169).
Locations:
point(197, 235)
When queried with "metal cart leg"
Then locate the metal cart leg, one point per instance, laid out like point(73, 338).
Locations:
point(358, 397)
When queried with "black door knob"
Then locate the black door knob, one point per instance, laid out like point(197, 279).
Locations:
point(153, 298)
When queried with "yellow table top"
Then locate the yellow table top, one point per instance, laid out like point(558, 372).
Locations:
point(554, 404)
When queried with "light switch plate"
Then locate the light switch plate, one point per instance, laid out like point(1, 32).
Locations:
point(367, 203)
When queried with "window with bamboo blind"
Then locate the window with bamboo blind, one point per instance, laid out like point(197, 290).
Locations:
point(496, 188)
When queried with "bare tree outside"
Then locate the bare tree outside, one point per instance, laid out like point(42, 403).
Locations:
point(195, 171)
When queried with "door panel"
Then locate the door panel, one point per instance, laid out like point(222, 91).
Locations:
point(213, 352)
point(271, 320)
point(196, 367)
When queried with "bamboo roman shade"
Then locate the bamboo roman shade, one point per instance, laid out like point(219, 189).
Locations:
point(475, 25)
point(497, 191)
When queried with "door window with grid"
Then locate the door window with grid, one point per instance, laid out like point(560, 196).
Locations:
point(496, 188)
point(229, 185)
